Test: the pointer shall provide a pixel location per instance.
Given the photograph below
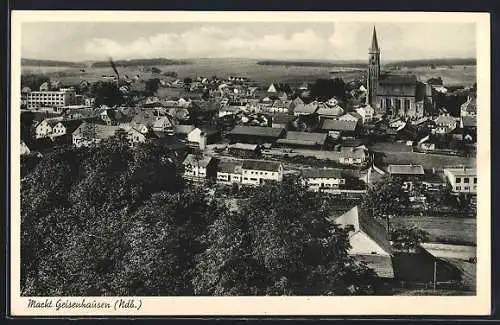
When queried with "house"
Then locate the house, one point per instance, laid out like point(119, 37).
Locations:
point(229, 110)
point(407, 173)
point(244, 149)
point(163, 124)
point(366, 112)
point(323, 179)
point(279, 106)
point(258, 172)
point(337, 128)
point(303, 109)
point(279, 87)
point(135, 136)
point(198, 167)
point(433, 181)
point(461, 179)
point(110, 116)
point(255, 134)
point(65, 127)
point(444, 124)
point(369, 241)
point(92, 133)
point(282, 121)
point(351, 116)
point(24, 148)
point(353, 156)
point(329, 111)
point(44, 128)
point(44, 86)
point(202, 137)
point(229, 171)
point(182, 131)
point(303, 140)
point(469, 108)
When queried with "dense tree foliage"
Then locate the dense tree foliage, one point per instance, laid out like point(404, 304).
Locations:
point(151, 86)
point(280, 243)
point(117, 220)
point(407, 239)
point(33, 81)
point(106, 93)
point(324, 89)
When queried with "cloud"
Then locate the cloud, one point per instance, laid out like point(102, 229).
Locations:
point(214, 42)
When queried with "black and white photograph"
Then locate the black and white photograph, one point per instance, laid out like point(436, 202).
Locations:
point(239, 155)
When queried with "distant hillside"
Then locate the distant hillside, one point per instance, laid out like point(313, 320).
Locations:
point(433, 62)
point(139, 62)
point(362, 64)
point(320, 64)
point(49, 63)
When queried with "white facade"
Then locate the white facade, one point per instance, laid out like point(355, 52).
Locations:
point(462, 180)
point(37, 99)
point(259, 176)
point(330, 184)
point(44, 128)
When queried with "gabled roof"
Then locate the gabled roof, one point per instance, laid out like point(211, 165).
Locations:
point(257, 131)
point(306, 109)
point(362, 222)
point(71, 125)
point(194, 160)
point(230, 166)
point(314, 138)
point(398, 79)
point(338, 125)
point(183, 129)
point(405, 169)
point(445, 119)
point(266, 165)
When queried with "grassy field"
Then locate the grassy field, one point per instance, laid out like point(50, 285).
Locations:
point(442, 229)
point(249, 68)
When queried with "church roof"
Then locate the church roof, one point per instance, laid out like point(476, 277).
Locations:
point(398, 79)
point(374, 47)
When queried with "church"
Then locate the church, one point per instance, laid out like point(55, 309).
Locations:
point(394, 94)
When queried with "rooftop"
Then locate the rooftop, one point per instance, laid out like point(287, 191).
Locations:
point(338, 125)
point(257, 131)
point(322, 173)
point(405, 169)
point(195, 160)
point(230, 166)
point(315, 138)
point(266, 165)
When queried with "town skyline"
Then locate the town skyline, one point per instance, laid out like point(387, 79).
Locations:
point(323, 41)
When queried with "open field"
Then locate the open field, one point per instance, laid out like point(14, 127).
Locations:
point(443, 229)
point(459, 75)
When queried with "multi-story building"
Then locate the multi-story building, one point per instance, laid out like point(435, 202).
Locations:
point(37, 99)
point(256, 172)
point(199, 167)
point(323, 179)
point(461, 179)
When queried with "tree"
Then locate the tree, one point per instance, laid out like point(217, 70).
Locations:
point(280, 242)
point(324, 89)
point(152, 86)
point(106, 93)
point(385, 198)
point(33, 81)
point(188, 81)
point(155, 70)
point(408, 239)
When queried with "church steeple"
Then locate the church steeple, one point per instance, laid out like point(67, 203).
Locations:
point(373, 71)
point(374, 48)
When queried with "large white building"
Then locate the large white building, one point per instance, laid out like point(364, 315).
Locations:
point(256, 172)
point(461, 179)
point(323, 179)
point(37, 99)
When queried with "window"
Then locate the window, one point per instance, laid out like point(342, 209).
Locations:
point(407, 104)
point(458, 188)
point(388, 103)
point(475, 180)
point(466, 179)
point(397, 103)
point(457, 180)
point(382, 103)
point(245, 178)
point(466, 188)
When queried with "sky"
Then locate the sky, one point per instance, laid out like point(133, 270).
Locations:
point(82, 41)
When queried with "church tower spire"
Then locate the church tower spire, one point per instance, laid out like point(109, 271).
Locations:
point(373, 70)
